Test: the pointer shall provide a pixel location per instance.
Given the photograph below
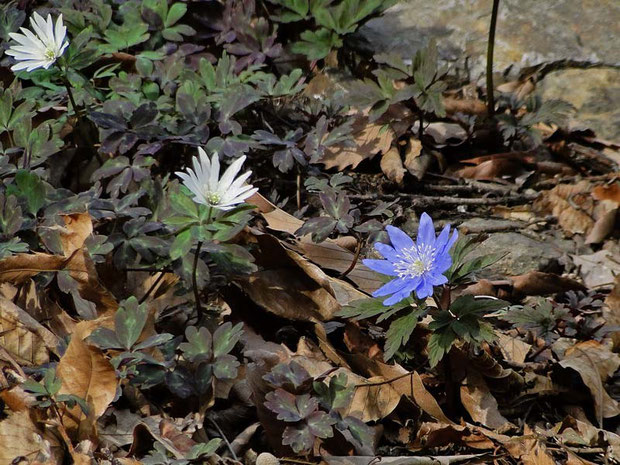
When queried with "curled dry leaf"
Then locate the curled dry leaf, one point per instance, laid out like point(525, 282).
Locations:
point(373, 399)
point(86, 373)
point(78, 227)
point(326, 254)
point(392, 165)
point(20, 267)
point(288, 285)
point(24, 338)
point(577, 209)
point(595, 363)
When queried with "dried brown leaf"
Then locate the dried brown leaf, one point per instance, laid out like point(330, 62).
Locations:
point(86, 373)
point(392, 165)
point(368, 140)
point(480, 403)
point(24, 338)
point(595, 363)
point(20, 436)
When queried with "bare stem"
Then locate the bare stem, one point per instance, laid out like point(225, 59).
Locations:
point(490, 50)
point(358, 249)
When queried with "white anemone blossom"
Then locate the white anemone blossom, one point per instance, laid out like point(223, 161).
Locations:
point(209, 189)
point(41, 48)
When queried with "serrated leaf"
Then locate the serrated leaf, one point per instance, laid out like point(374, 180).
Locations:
point(320, 424)
point(399, 332)
point(438, 345)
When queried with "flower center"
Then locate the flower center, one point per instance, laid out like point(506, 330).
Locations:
point(214, 198)
point(415, 261)
point(50, 54)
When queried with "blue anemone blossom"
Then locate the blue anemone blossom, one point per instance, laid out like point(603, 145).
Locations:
point(416, 266)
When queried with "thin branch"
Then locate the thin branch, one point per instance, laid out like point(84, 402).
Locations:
point(490, 50)
point(219, 430)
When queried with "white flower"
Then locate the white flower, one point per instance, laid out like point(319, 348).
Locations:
point(209, 189)
point(40, 50)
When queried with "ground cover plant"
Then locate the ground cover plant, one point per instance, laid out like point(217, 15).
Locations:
point(230, 233)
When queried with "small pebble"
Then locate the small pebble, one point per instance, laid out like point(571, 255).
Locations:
point(265, 458)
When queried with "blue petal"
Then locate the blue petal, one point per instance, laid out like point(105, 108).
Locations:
point(425, 289)
point(386, 251)
point(380, 266)
point(446, 248)
point(399, 239)
point(397, 297)
point(442, 263)
point(405, 292)
point(426, 231)
point(393, 286)
point(438, 279)
point(442, 239)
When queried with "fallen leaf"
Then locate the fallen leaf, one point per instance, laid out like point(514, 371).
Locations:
point(595, 363)
point(416, 161)
point(468, 106)
point(20, 267)
point(539, 283)
point(373, 398)
point(597, 269)
point(368, 140)
point(406, 383)
point(575, 206)
point(21, 437)
point(529, 450)
point(86, 373)
point(480, 403)
point(327, 254)
point(28, 342)
point(287, 285)
point(392, 165)
point(78, 227)
point(512, 348)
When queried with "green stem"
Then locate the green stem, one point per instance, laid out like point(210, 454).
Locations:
point(195, 283)
point(490, 50)
point(199, 312)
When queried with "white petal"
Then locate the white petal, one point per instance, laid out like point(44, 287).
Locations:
point(214, 183)
point(232, 171)
point(60, 33)
point(240, 180)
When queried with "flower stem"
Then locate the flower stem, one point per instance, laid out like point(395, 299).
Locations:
point(490, 50)
point(195, 282)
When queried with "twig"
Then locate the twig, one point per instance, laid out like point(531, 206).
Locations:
point(490, 50)
point(219, 430)
point(152, 288)
point(426, 201)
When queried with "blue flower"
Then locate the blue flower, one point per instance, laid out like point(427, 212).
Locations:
point(416, 266)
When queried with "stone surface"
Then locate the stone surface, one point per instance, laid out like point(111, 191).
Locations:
point(529, 32)
point(523, 254)
point(594, 92)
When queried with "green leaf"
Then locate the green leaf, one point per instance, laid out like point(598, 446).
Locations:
point(316, 45)
point(176, 12)
point(203, 450)
point(225, 367)
point(226, 337)
point(199, 344)
point(363, 308)
point(32, 188)
point(181, 245)
point(400, 331)
point(129, 321)
point(439, 344)
point(104, 338)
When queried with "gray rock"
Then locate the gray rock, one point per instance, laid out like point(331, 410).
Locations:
point(523, 254)
point(529, 32)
